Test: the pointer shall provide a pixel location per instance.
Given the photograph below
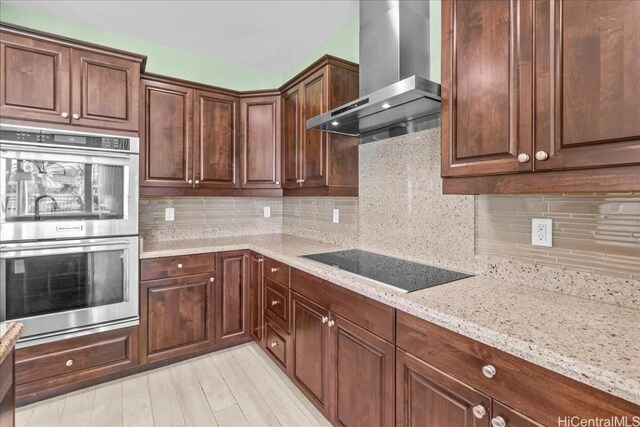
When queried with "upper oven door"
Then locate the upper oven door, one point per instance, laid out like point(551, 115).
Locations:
point(60, 193)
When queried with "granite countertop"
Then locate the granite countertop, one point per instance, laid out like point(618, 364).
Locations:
point(590, 341)
point(10, 333)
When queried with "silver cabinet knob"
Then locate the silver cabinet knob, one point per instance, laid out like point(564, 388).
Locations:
point(489, 371)
point(275, 302)
point(197, 181)
point(303, 180)
point(331, 323)
point(523, 157)
point(479, 411)
point(211, 279)
point(324, 319)
point(273, 270)
point(260, 259)
point(76, 116)
point(542, 155)
point(69, 363)
point(64, 114)
point(277, 182)
point(179, 265)
point(190, 181)
point(498, 422)
point(274, 344)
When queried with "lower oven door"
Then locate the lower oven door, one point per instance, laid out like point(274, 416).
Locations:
point(64, 288)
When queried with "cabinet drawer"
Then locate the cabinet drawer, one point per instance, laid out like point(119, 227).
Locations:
point(49, 367)
point(277, 343)
point(276, 271)
point(184, 265)
point(518, 383)
point(276, 303)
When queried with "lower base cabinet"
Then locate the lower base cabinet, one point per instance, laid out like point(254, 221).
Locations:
point(232, 313)
point(7, 392)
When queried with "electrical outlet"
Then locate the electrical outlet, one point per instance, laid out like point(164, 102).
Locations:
point(267, 211)
point(169, 214)
point(336, 216)
point(542, 232)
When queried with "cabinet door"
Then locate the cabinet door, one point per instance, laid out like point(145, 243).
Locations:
point(487, 54)
point(291, 138)
point(260, 153)
point(165, 140)
point(216, 154)
point(7, 391)
point(426, 396)
point(176, 316)
point(232, 297)
point(587, 84)
point(105, 91)
point(256, 295)
point(34, 80)
point(314, 143)
point(511, 417)
point(310, 368)
point(362, 376)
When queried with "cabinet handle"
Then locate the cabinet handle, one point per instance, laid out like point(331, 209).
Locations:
point(498, 422)
point(479, 411)
point(69, 363)
point(260, 259)
point(76, 116)
point(489, 371)
point(542, 155)
point(277, 182)
point(331, 323)
point(324, 319)
point(64, 114)
point(190, 181)
point(523, 157)
point(197, 181)
point(179, 265)
point(274, 269)
point(274, 344)
point(275, 302)
point(211, 279)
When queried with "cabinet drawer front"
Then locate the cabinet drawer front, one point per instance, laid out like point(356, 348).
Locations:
point(518, 383)
point(276, 303)
point(371, 315)
point(72, 356)
point(277, 342)
point(175, 266)
point(276, 271)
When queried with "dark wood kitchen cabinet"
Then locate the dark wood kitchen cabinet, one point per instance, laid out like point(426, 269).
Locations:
point(232, 312)
point(260, 141)
point(540, 96)
point(7, 391)
point(511, 417)
point(256, 286)
point(314, 162)
point(56, 80)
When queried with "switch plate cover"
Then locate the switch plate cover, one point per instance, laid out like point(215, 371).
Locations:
point(267, 211)
point(169, 214)
point(336, 216)
point(542, 232)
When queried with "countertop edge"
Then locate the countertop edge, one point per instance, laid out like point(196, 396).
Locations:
point(9, 339)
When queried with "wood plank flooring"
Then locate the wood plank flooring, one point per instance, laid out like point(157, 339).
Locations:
point(237, 387)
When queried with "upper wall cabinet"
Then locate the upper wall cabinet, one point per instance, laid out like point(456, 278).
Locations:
point(540, 96)
point(53, 80)
point(313, 162)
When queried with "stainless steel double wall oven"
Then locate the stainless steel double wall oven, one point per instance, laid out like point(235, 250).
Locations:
point(68, 231)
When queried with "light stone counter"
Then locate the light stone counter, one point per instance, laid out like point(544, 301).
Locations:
point(589, 341)
point(10, 333)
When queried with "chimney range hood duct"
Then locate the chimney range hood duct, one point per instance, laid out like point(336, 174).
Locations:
point(396, 96)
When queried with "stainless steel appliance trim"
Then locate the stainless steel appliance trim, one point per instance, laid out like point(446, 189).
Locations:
point(54, 323)
point(64, 149)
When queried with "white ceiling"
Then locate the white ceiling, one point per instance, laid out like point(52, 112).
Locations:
point(271, 35)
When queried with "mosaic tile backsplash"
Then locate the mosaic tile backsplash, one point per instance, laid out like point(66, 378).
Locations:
point(312, 217)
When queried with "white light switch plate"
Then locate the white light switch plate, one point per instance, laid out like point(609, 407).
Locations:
point(542, 232)
point(336, 216)
point(267, 211)
point(169, 214)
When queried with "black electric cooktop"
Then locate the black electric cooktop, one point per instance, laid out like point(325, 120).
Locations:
point(404, 275)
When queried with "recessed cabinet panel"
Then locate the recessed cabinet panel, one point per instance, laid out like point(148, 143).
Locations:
point(588, 84)
point(34, 80)
point(261, 142)
point(232, 294)
point(216, 153)
point(314, 142)
point(486, 87)
point(166, 135)
point(291, 134)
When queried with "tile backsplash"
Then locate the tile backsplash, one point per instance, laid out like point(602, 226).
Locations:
point(594, 233)
point(205, 217)
point(312, 217)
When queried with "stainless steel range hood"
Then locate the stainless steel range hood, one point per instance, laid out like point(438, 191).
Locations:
point(396, 96)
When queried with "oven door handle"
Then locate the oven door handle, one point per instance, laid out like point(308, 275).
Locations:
point(57, 149)
point(20, 247)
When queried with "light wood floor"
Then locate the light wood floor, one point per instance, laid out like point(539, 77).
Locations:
point(240, 386)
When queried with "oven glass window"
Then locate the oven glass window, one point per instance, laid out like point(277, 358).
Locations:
point(39, 190)
point(55, 283)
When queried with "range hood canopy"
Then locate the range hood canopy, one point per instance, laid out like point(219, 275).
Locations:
point(396, 96)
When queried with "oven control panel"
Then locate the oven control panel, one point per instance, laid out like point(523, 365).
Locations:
point(68, 139)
